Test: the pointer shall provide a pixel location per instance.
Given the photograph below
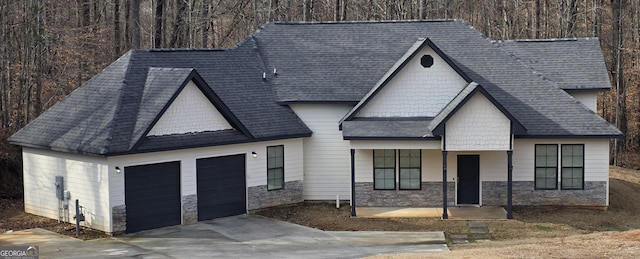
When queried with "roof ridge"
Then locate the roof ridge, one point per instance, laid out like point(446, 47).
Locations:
point(126, 92)
point(112, 123)
point(184, 49)
point(549, 39)
point(360, 22)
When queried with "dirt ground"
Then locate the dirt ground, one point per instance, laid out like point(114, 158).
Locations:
point(536, 232)
point(13, 218)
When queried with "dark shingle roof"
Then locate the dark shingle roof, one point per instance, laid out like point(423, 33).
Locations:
point(111, 111)
point(316, 62)
point(387, 129)
point(571, 64)
point(328, 62)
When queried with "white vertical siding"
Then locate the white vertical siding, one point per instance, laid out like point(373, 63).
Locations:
point(589, 99)
point(327, 159)
point(191, 111)
point(596, 157)
point(478, 125)
point(85, 177)
point(416, 90)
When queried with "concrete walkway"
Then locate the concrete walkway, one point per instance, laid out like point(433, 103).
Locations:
point(457, 213)
point(233, 237)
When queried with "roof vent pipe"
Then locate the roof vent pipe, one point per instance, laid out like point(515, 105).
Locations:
point(264, 75)
point(275, 71)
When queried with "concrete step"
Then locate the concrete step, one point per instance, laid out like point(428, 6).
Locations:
point(389, 237)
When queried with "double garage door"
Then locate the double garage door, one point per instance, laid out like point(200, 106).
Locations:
point(153, 196)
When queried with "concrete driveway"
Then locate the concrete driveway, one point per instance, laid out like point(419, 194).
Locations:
point(240, 236)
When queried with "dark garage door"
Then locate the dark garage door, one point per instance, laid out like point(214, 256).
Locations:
point(152, 196)
point(221, 186)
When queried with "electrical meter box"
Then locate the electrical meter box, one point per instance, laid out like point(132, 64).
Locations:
point(59, 187)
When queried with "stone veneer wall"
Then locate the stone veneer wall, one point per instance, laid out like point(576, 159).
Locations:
point(524, 193)
point(260, 197)
point(429, 196)
point(190, 209)
point(119, 219)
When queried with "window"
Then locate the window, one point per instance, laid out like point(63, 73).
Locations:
point(546, 167)
point(384, 169)
point(572, 167)
point(275, 167)
point(410, 169)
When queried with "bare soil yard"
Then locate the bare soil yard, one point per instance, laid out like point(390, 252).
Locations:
point(13, 217)
point(536, 232)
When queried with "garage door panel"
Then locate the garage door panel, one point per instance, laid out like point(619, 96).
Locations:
point(221, 186)
point(152, 196)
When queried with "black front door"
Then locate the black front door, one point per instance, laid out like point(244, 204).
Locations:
point(468, 179)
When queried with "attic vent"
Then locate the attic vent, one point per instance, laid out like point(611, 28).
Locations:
point(426, 61)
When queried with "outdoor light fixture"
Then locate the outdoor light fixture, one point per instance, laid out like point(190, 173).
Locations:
point(254, 154)
point(117, 169)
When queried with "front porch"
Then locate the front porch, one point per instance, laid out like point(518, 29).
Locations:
point(455, 213)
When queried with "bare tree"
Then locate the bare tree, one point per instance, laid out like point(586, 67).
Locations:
point(135, 23)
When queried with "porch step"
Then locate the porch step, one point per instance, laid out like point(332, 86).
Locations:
point(477, 231)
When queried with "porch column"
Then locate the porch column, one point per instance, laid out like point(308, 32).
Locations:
point(509, 183)
point(353, 183)
point(445, 214)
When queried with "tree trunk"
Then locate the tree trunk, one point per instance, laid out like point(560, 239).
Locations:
point(537, 29)
point(135, 23)
point(177, 39)
point(116, 27)
point(157, 33)
point(86, 13)
point(127, 24)
point(620, 119)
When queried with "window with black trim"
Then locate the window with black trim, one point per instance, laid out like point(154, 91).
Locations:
point(384, 169)
point(572, 167)
point(275, 167)
point(546, 174)
point(410, 169)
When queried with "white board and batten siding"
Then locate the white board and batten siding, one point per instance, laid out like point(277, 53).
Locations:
point(478, 125)
point(85, 177)
point(416, 91)
point(588, 98)
point(256, 168)
point(191, 111)
point(327, 158)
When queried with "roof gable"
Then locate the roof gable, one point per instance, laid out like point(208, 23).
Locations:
point(190, 112)
point(437, 125)
point(416, 90)
point(112, 113)
point(163, 86)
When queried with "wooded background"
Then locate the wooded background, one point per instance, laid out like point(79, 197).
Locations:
point(50, 47)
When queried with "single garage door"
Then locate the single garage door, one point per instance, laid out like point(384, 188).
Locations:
point(221, 186)
point(152, 196)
